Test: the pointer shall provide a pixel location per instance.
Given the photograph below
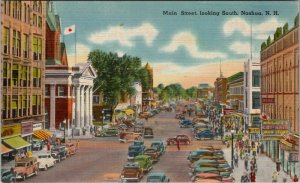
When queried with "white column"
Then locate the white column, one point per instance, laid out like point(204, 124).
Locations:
point(91, 106)
point(87, 106)
point(52, 106)
point(77, 106)
point(82, 106)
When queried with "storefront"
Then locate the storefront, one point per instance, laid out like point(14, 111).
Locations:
point(39, 133)
point(27, 131)
point(237, 121)
point(11, 137)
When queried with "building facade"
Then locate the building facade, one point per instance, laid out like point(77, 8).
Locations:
point(204, 91)
point(147, 95)
point(220, 90)
point(252, 102)
point(280, 91)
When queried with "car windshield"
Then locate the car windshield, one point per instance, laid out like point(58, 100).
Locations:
point(20, 164)
point(43, 156)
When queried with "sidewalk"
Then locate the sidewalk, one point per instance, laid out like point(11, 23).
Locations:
point(265, 168)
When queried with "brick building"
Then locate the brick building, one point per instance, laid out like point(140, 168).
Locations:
point(23, 67)
point(280, 90)
point(220, 90)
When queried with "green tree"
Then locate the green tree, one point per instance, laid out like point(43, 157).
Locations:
point(268, 41)
point(263, 46)
point(285, 28)
point(192, 92)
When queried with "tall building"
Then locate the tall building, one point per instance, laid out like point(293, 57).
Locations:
point(23, 69)
point(147, 95)
point(252, 97)
point(280, 91)
point(220, 90)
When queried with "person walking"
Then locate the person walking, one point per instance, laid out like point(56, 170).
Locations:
point(274, 177)
point(252, 176)
point(178, 144)
point(236, 160)
point(246, 161)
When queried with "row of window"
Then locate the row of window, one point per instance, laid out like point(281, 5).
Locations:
point(255, 78)
point(20, 105)
point(17, 47)
point(17, 75)
point(60, 91)
point(236, 90)
point(22, 11)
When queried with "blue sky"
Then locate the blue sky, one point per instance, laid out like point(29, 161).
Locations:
point(185, 49)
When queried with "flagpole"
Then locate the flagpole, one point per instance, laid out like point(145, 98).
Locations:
point(75, 46)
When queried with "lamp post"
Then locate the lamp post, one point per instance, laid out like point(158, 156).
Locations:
point(232, 131)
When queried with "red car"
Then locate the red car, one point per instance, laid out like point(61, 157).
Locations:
point(182, 138)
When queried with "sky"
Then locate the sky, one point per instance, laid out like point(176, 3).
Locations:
point(185, 49)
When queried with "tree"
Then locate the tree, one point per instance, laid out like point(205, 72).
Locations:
point(268, 41)
point(263, 46)
point(285, 28)
point(116, 75)
point(192, 92)
point(278, 33)
point(296, 20)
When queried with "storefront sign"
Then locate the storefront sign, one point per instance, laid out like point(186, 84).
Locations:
point(26, 128)
point(10, 130)
point(274, 128)
point(268, 100)
point(293, 157)
point(254, 130)
point(37, 126)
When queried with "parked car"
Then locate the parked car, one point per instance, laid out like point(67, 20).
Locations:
point(122, 127)
point(26, 167)
point(45, 161)
point(205, 170)
point(182, 139)
point(71, 148)
point(7, 176)
point(134, 151)
point(204, 134)
point(129, 136)
point(37, 145)
point(203, 161)
point(157, 177)
point(138, 129)
point(132, 171)
point(159, 144)
point(196, 154)
point(186, 123)
point(144, 161)
point(148, 132)
point(109, 132)
point(139, 143)
point(145, 115)
point(153, 152)
point(200, 127)
point(59, 152)
point(204, 176)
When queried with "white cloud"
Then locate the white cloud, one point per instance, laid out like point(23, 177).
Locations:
point(125, 35)
point(240, 48)
point(82, 52)
point(259, 31)
point(189, 42)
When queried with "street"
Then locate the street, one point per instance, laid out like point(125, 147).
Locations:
point(102, 158)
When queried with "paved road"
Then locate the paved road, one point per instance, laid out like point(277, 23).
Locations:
point(102, 158)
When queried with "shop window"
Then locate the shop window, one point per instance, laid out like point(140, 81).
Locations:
point(5, 40)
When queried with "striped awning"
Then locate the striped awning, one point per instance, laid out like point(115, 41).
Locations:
point(5, 149)
point(16, 142)
point(42, 134)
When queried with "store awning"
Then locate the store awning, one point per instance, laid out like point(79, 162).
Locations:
point(5, 149)
point(42, 134)
point(129, 112)
point(16, 142)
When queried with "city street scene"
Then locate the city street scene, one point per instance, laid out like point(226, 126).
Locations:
point(166, 91)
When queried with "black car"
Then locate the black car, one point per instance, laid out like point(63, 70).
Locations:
point(59, 152)
point(7, 176)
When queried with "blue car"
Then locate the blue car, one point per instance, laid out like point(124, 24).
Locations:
point(139, 143)
point(186, 123)
point(134, 151)
point(159, 144)
point(204, 134)
point(157, 177)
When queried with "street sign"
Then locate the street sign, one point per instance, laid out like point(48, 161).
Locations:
point(274, 129)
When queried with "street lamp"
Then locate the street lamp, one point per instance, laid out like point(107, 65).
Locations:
point(232, 132)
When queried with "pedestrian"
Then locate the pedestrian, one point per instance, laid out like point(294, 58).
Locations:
point(254, 150)
point(246, 161)
point(178, 145)
point(252, 176)
point(258, 148)
point(245, 178)
point(48, 145)
point(295, 179)
point(241, 153)
point(77, 144)
point(274, 177)
point(236, 160)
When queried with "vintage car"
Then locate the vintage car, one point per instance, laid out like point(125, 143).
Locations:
point(157, 177)
point(148, 132)
point(26, 167)
point(145, 115)
point(153, 152)
point(37, 145)
point(129, 136)
point(132, 171)
point(159, 144)
point(134, 151)
point(196, 154)
point(144, 161)
point(225, 167)
point(200, 127)
point(182, 139)
point(7, 176)
point(59, 152)
point(45, 161)
point(71, 148)
point(139, 143)
point(205, 134)
point(109, 132)
point(205, 176)
point(186, 123)
point(138, 129)
point(197, 170)
point(202, 162)
point(122, 127)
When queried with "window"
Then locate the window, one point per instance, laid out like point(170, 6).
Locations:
point(47, 93)
point(19, 10)
point(96, 99)
point(40, 48)
point(25, 13)
point(35, 48)
point(14, 106)
point(40, 22)
point(4, 107)
point(34, 19)
point(35, 77)
point(18, 50)
point(28, 14)
point(39, 104)
point(26, 45)
point(5, 40)
point(40, 9)
point(24, 105)
point(61, 91)
point(14, 50)
point(14, 4)
point(24, 76)
point(15, 74)
point(7, 7)
point(34, 104)
point(255, 100)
